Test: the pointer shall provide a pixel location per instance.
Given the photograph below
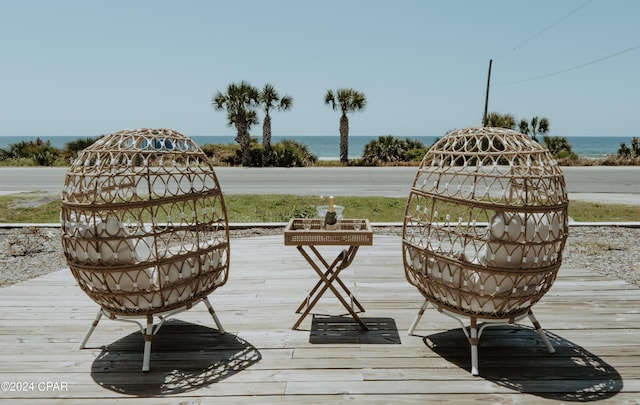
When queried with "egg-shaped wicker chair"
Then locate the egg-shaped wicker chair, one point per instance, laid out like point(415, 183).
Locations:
point(144, 228)
point(484, 229)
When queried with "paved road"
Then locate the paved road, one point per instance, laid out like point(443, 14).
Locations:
point(603, 184)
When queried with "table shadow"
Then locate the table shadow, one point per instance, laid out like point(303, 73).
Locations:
point(344, 329)
point(516, 358)
point(184, 357)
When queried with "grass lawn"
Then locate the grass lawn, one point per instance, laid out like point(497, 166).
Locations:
point(280, 208)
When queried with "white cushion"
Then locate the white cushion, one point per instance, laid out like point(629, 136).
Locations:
point(512, 226)
point(514, 241)
point(129, 280)
point(105, 242)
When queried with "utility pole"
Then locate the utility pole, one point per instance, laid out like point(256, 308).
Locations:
point(486, 99)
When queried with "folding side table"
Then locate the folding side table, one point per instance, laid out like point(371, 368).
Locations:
point(351, 233)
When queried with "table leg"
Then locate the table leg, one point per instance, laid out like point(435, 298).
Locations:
point(326, 279)
point(315, 266)
point(347, 257)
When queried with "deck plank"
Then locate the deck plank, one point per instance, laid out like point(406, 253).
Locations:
point(593, 321)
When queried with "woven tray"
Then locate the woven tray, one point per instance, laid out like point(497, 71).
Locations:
point(296, 235)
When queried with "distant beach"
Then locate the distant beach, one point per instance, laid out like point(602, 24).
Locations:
point(326, 147)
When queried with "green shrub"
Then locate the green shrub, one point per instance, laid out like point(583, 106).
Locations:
point(633, 152)
point(289, 153)
point(559, 147)
point(352, 162)
point(389, 149)
point(416, 154)
point(286, 153)
point(566, 154)
point(18, 162)
point(42, 153)
point(72, 148)
point(222, 154)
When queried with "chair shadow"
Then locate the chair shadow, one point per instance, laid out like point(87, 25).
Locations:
point(515, 357)
point(184, 357)
point(344, 329)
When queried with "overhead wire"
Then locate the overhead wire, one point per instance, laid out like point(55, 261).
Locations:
point(548, 27)
point(564, 17)
point(571, 68)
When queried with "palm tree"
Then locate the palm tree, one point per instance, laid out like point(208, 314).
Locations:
point(630, 152)
point(386, 149)
point(635, 146)
point(269, 98)
point(347, 100)
point(240, 101)
point(537, 126)
point(557, 144)
point(624, 151)
point(524, 127)
point(497, 120)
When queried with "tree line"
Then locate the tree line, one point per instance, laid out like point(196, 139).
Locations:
point(241, 100)
point(559, 146)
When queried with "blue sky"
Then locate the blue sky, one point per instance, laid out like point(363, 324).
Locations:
point(87, 68)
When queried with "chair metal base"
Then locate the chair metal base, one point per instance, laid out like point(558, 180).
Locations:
point(475, 329)
point(149, 329)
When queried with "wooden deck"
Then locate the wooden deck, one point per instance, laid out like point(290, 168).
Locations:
point(593, 321)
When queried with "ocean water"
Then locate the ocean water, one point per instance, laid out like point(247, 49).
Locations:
point(327, 147)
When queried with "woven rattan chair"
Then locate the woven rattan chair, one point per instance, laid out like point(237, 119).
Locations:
point(144, 228)
point(484, 229)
